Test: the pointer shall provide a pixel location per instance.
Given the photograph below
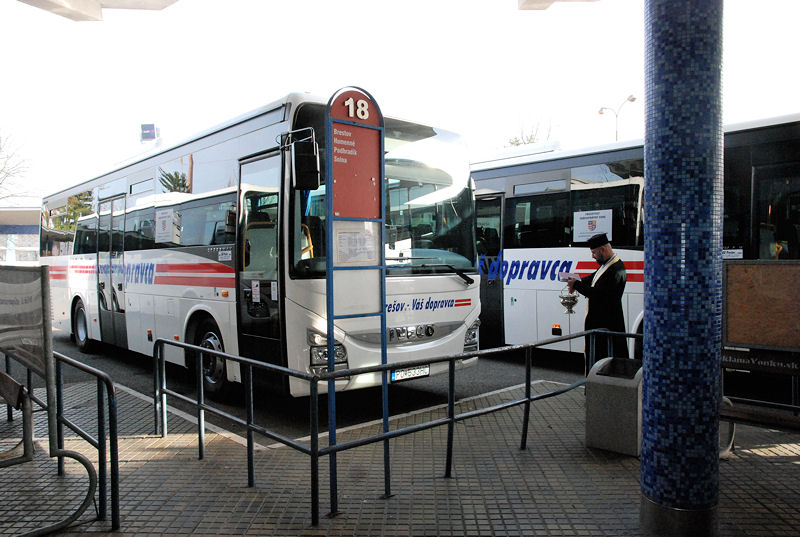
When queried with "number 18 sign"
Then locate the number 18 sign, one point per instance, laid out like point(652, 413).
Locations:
point(357, 127)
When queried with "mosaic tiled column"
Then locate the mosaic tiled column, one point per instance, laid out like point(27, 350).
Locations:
point(683, 267)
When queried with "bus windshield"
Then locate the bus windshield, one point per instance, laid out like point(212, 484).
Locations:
point(430, 218)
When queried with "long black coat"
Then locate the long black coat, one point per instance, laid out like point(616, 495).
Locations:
point(605, 307)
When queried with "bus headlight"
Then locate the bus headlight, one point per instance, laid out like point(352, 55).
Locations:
point(319, 353)
point(471, 337)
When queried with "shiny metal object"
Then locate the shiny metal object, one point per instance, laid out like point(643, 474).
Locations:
point(568, 300)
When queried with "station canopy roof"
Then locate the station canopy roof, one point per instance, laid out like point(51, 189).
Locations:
point(92, 10)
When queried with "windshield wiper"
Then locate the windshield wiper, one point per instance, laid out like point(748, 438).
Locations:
point(460, 272)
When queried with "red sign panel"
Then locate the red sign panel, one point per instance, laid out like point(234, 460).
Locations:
point(356, 168)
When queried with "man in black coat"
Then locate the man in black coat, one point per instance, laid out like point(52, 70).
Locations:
point(603, 289)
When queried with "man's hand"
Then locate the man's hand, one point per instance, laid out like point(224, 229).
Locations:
point(571, 284)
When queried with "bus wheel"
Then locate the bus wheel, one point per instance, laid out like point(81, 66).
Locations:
point(80, 329)
point(215, 378)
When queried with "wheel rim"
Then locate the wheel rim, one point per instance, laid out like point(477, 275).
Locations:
point(213, 366)
point(81, 331)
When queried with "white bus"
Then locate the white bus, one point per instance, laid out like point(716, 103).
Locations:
point(214, 242)
point(536, 211)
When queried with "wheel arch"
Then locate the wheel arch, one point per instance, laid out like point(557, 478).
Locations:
point(227, 332)
point(193, 321)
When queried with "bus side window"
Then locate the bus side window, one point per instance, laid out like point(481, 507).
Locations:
point(147, 231)
point(132, 239)
point(86, 237)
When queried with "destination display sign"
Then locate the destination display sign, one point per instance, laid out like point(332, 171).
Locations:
point(356, 144)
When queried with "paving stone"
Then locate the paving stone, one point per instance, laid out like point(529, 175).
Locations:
point(555, 487)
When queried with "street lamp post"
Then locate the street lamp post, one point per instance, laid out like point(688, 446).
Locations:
point(630, 99)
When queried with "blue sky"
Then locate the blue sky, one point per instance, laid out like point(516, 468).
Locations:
point(74, 94)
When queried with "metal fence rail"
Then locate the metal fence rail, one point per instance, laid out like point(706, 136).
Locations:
point(313, 449)
point(105, 391)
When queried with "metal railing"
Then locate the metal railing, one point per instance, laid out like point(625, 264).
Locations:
point(313, 449)
point(103, 443)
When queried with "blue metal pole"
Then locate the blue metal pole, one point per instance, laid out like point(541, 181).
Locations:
point(114, 448)
point(201, 414)
point(156, 390)
point(387, 472)
point(683, 267)
point(9, 411)
point(330, 310)
point(451, 413)
point(102, 470)
point(248, 396)
point(59, 411)
point(527, 416)
point(162, 374)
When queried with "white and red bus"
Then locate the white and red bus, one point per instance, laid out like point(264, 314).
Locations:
point(220, 241)
point(535, 212)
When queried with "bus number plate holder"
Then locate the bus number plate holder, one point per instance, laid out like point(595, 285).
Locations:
point(410, 373)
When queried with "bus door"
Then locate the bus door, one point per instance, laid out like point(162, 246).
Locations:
point(259, 307)
point(111, 272)
point(488, 240)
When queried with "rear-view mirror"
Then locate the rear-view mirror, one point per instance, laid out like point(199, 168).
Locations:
point(305, 164)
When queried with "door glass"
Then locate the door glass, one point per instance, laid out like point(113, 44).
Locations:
point(103, 255)
point(117, 259)
point(777, 209)
point(258, 276)
point(488, 237)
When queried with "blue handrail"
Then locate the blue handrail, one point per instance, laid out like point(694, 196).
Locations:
point(313, 449)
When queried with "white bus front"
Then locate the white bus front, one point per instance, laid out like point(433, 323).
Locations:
point(432, 289)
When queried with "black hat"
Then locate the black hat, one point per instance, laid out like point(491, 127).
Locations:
point(596, 241)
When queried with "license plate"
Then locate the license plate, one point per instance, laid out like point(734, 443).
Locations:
point(410, 373)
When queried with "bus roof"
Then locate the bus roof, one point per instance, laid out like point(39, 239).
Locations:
point(550, 151)
point(291, 99)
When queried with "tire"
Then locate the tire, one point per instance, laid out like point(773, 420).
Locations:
point(80, 329)
point(215, 375)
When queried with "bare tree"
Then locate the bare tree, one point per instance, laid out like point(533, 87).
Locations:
point(12, 169)
point(531, 138)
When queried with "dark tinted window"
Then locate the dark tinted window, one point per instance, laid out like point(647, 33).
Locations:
point(86, 237)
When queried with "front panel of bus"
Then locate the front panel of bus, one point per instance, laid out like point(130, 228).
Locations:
point(432, 292)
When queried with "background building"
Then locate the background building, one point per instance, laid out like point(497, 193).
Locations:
point(19, 235)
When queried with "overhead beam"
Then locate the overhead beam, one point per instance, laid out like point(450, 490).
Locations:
point(92, 10)
point(543, 4)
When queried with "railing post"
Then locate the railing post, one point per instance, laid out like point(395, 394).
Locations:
point(451, 405)
point(248, 396)
point(162, 373)
point(102, 475)
point(527, 412)
point(112, 430)
point(59, 412)
point(333, 478)
point(9, 410)
point(156, 389)
point(201, 414)
point(314, 410)
point(387, 470)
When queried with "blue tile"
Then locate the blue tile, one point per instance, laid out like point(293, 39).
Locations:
point(683, 244)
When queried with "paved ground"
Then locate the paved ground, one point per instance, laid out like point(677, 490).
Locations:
point(556, 486)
